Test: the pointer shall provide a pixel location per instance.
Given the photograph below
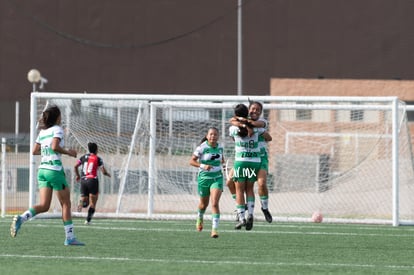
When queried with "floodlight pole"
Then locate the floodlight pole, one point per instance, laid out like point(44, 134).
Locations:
point(34, 77)
point(3, 177)
point(16, 126)
point(239, 49)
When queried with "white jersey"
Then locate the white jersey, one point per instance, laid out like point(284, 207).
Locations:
point(211, 156)
point(50, 159)
point(247, 148)
point(264, 121)
point(262, 141)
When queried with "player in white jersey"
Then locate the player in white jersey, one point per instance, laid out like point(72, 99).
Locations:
point(50, 174)
point(246, 167)
point(208, 157)
point(255, 111)
point(255, 120)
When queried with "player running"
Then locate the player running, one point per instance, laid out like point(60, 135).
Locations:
point(50, 174)
point(89, 188)
point(208, 157)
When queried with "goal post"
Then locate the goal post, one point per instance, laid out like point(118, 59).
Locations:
point(348, 157)
point(398, 133)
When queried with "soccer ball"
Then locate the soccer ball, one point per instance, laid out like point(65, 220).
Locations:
point(317, 217)
point(33, 76)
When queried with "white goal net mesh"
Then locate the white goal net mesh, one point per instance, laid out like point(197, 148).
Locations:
point(335, 156)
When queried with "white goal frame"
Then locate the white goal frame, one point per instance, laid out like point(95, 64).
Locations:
point(228, 102)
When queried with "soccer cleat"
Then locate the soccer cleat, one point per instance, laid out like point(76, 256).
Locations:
point(88, 223)
point(249, 223)
point(236, 216)
point(214, 234)
point(15, 226)
point(240, 224)
point(73, 241)
point(199, 225)
point(267, 215)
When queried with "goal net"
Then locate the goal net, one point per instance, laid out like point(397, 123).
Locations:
point(348, 157)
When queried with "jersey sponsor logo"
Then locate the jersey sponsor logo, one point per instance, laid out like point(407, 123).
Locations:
point(248, 144)
point(249, 155)
point(215, 156)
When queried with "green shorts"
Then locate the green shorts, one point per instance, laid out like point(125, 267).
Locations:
point(55, 180)
point(206, 184)
point(246, 171)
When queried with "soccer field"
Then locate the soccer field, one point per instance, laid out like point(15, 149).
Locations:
point(175, 247)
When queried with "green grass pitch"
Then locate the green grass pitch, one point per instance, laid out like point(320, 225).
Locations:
point(175, 247)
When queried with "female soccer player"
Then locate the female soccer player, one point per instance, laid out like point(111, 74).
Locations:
point(246, 166)
point(208, 157)
point(255, 111)
point(89, 188)
point(50, 174)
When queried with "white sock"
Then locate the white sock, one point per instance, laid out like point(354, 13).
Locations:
point(264, 200)
point(265, 203)
point(215, 221)
point(250, 207)
point(200, 214)
point(69, 231)
point(26, 216)
point(240, 211)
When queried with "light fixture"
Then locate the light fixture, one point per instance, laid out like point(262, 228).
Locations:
point(34, 76)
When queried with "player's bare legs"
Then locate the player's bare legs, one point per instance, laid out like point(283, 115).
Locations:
point(232, 188)
point(215, 195)
point(92, 206)
point(64, 199)
point(83, 203)
point(250, 198)
point(202, 206)
point(230, 184)
point(240, 204)
point(264, 194)
point(45, 195)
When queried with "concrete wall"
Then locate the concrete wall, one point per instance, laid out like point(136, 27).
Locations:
point(190, 46)
point(403, 89)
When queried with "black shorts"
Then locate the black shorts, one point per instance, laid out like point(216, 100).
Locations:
point(89, 186)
